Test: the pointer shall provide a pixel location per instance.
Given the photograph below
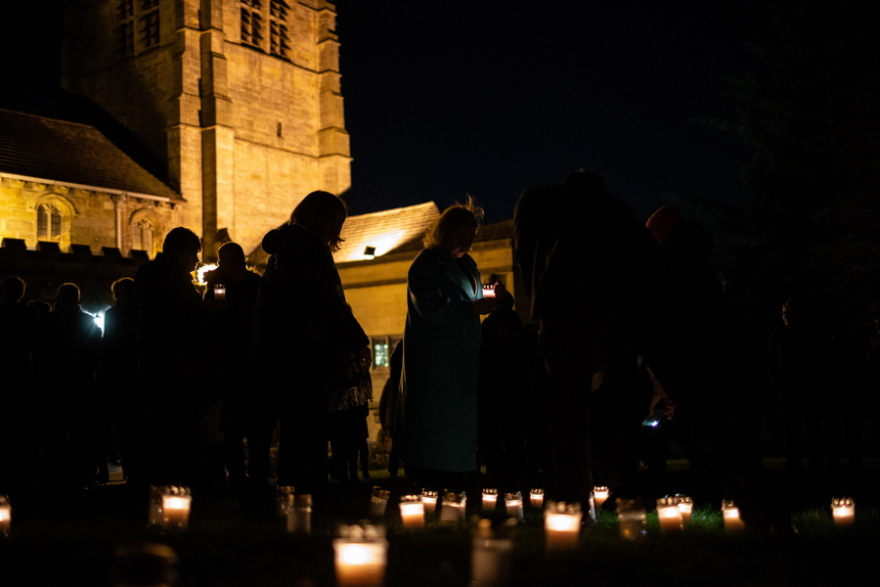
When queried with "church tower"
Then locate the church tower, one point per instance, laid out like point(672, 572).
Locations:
point(240, 98)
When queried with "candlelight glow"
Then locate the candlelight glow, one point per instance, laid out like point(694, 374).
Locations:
point(562, 522)
point(355, 554)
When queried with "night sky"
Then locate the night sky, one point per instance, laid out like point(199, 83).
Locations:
point(445, 99)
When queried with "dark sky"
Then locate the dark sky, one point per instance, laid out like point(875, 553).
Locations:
point(487, 98)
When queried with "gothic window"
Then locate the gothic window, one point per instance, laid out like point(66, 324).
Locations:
point(142, 235)
point(126, 9)
point(251, 22)
point(150, 23)
point(278, 39)
point(126, 27)
point(48, 223)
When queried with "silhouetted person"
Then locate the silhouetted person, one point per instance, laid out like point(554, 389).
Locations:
point(170, 343)
point(244, 410)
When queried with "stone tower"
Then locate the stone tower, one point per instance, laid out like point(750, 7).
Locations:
point(240, 98)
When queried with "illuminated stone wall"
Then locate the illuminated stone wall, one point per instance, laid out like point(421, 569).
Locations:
point(246, 134)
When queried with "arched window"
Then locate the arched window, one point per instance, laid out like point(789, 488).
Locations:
point(48, 223)
point(142, 235)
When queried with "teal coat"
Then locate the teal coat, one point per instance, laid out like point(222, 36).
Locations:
point(437, 412)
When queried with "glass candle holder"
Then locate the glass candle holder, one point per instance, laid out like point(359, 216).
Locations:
point(176, 505)
point(730, 513)
point(429, 499)
point(631, 517)
point(513, 502)
point(489, 291)
point(490, 499)
point(412, 511)
point(452, 508)
point(562, 525)
point(600, 494)
point(379, 502)
point(536, 498)
point(360, 556)
point(5, 516)
point(669, 517)
point(685, 506)
point(491, 554)
point(219, 291)
point(299, 514)
point(283, 495)
point(843, 510)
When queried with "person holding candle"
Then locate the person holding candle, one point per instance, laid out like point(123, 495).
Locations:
point(318, 354)
point(436, 428)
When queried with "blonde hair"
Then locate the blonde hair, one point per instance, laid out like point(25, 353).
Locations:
point(453, 218)
point(319, 211)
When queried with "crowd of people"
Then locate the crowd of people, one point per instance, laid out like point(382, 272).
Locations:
point(190, 389)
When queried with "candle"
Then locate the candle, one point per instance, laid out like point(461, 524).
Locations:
point(514, 504)
point(536, 498)
point(175, 509)
point(5, 516)
point(490, 498)
point(491, 555)
point(219, 291)
point(429, 499)
point(843, 509)
point(562, 525)
point(600, 494)
point(379, 502)
point(685, 506)
point(412, 511)
point(732, 521)
point(361, 554)
point(631, 516)
point(283, 495)
point(488, 291)
point(299, 514)
point(669, 516)
point(452, 507)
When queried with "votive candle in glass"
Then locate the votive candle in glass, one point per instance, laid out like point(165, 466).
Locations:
point(631, 517)
point(5, 516)
point(732, 521)
point(452, 508)
point(379, 502)
point(600, 494)
point(361, 554)
point(175, 508)
point(685, 506)
point(669, 517)
point(513, 503)
point(412, 511)
point(299, 514)
point(429, 499)
point(490, 499)
point(843, 509)
point(536, 498)
point(562, 525)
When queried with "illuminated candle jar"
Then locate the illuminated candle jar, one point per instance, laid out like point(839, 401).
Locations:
point(490, 498)
point(361, 554)
point(491, 554)
point(452, 508)
point(685, 506)
point(513, 502)
point(631, 517)
point(562, 525)
point(600, 494)
point(536, 498)
point(379, 502)
point(5, 516)
point(154, 516)
point(283, 499)
point(299, 514)
point(412, 511)
point(429, 499)
point(843, 509)
point(175, 508)
point(732, 521)
point(669, 517)
point(489, 291)
point(219, 291)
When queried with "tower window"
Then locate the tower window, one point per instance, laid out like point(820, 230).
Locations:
point(251, 22)
point(48, 223)
point(150, 28)
point(278, 37)
point(126, 9)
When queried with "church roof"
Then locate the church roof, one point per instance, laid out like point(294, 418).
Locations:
point(70, 153)
point(398, 229)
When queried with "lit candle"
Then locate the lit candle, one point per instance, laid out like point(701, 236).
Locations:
point(361, 554)
point(491, 554)
point(175, 509)
point(488, 291)
point(685, 506)
point(452, 507)
point(732, 521)
point(412, 511)
point(299, 514)
point(5, 516)
point(631, 516)
point(379, 502)
point(283, 495)
point(490, 498)
point(513, 502)
point(600, 494)
point(429, 499)
point(219, 291)
point(536, 498)
point(843, 509)
point(669, 516)
point(562, 525)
